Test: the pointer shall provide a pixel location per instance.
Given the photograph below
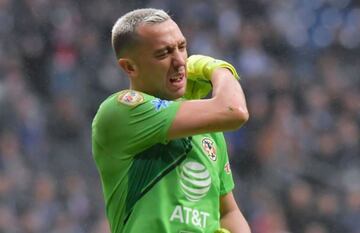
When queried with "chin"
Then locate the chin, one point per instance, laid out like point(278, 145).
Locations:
point(174, 97)
point(179, 94)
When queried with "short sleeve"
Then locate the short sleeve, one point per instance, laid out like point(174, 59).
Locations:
point(131, 121)
point(225, 175)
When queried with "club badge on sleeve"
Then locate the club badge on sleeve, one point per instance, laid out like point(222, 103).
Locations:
point(209, 148)
point(227, 168)
point(130, 97)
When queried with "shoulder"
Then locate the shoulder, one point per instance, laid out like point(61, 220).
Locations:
point(130, 98)
point(128, 104)
point(122, 101)
point(118, 105)
point(126, 98)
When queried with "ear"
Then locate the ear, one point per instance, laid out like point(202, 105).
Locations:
point(128, 66)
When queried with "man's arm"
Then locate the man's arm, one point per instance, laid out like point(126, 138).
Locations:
point(226, 110)
point(231, 217)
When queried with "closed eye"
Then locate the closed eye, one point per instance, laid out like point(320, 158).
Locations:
point(182, 45)
point(162, 54)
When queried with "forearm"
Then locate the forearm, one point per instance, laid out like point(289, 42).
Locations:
point(235, 222)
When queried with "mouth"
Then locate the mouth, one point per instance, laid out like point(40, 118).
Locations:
point(177, 78)
point(177, 82)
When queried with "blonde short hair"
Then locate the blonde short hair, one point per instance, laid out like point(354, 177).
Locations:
point(123, 35)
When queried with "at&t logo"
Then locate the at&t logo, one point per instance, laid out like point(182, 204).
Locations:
point(195, 180)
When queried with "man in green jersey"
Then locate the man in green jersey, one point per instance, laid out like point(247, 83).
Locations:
point(162, 160)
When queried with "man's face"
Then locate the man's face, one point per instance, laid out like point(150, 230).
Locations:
point(160, 60)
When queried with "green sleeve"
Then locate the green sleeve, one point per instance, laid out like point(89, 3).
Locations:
point(131, 121)
point(226, 179)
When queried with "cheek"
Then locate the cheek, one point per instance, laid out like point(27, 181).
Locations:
point(161, 69)
point(150, 69)
point(185, 54)
point(156, 76)
point(155, 71)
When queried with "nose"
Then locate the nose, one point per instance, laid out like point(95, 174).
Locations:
point(179, 58)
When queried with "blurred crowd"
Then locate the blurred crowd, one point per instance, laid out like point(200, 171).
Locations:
point(296, 163)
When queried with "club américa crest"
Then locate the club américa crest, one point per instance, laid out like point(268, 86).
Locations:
point(209, 148)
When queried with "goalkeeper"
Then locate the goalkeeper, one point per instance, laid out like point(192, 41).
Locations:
point(158, 147)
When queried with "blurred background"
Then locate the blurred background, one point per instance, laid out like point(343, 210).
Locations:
point(296, 163)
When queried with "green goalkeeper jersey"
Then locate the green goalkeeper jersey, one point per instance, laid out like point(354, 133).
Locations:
point(151, 184)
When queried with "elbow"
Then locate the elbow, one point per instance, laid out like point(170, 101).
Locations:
point(239, 117)
point(242, 116)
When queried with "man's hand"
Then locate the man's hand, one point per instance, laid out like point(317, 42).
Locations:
point(199, 72)
point(201, 67)
point(197, 89)
point(231, 216)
